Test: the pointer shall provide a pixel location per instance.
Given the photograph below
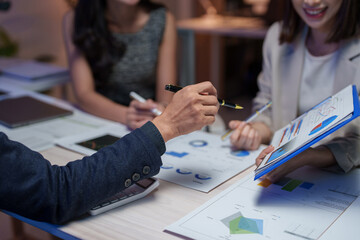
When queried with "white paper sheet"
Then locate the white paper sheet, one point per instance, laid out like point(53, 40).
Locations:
point(345, 226)
point(303, 206)
point(202, 161)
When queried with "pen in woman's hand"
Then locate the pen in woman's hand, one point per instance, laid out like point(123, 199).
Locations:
point(139, 98)
point(252, 117)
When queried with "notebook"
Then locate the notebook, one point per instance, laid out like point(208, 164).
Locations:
point(25, 110)
point(309, 128)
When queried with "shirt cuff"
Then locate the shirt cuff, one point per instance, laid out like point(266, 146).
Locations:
point(151, 131)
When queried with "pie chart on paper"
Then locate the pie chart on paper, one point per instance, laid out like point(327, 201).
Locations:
point(323, 125)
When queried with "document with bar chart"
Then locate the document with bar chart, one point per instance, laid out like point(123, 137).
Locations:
point(317, 123)
point(303, 205)
point(202, 161)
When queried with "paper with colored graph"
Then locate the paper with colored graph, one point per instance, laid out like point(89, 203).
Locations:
point(202, 161)
point(303, 205)
point(310, 127)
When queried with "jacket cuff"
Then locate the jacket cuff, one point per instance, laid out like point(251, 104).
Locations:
point(155, 136)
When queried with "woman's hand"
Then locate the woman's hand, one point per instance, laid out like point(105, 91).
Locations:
point(316, 157)
point(139, 113)
point(282, 170)
point(245, 136)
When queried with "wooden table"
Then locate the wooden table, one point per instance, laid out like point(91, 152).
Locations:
point(143, 219)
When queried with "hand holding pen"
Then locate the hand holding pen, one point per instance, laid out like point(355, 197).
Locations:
point(245, 136)
point(139, 98)
point(140, 111)
point(224, 103)
point(189, 110)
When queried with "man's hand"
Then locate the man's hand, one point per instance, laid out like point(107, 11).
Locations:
point(190, 109)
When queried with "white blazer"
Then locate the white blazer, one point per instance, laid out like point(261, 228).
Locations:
point(280, 81)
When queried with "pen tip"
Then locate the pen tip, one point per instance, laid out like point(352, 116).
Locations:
point(167, 87)
point(238, 107)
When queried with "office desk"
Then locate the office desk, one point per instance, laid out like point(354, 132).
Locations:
point(148, 217)
point(142, 219)
point(216, 26)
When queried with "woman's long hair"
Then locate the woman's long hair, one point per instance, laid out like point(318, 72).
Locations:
point(347, 24)
point(93, 38)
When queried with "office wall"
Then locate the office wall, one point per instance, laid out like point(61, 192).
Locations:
point(181, 9)
point(36, 26)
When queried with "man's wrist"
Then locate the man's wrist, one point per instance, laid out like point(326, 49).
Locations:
point(165, 130)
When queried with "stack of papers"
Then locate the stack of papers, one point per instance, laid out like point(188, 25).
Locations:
point(32, 70)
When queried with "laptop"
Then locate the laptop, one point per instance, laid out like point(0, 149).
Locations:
point(25, 110)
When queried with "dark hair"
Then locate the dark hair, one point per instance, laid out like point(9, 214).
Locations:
point(347, 23)
point(93, 38)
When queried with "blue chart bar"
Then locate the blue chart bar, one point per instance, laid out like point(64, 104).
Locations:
point(307, 185)
point(298, 127)
point(322, 125)
point(176, 154)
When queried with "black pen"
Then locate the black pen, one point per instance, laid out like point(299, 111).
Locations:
point(173, 88)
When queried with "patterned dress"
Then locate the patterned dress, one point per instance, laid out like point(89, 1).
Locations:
point(136, 70)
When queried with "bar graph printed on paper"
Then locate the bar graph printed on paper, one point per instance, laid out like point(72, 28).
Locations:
point(302, 231)
point(302, 205)
point(346, 190)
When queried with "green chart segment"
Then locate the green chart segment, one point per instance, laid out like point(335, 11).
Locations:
point(238, 224)
point(287, 184)
point(291, 185)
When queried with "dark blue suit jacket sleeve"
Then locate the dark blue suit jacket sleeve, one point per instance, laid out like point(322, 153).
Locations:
point(30, 186)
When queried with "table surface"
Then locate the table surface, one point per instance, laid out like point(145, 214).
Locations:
point(142, 219)
point(147, 218)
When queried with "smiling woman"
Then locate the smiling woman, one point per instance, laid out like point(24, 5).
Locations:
point(339, 17)
point(312, 54)
point(321, 17)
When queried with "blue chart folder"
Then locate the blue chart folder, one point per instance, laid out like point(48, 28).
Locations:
point(309, 128)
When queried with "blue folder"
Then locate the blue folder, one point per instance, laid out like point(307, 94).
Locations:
point(354, 115)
